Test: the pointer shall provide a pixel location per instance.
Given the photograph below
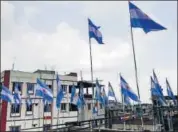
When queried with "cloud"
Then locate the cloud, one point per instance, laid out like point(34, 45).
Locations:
point(66, 48)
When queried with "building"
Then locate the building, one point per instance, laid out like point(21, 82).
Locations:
point(38, 116)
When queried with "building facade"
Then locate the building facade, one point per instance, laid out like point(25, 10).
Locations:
point(39, 116)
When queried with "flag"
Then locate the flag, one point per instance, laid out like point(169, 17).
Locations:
point(81, 95)
point(6, 95)
point(158, 87)
point(156, 93)
point(17, 97)
point(28, 100)
point(105, 98)
point(94, 32)
point(110, 90)
point(169, 91)
point(75, 98)
point(126, 90)
point(139, 19)
point(126, 99)
point(60, 93)
point(72, 93)
point(98, 93)
point(95, 108)
point(42, 90)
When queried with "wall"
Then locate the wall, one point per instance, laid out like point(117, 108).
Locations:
point(27, 121)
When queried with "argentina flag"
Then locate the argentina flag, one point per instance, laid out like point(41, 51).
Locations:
point(43, 91)
point(94, 32)
point(6, 95)
point(28, 100)
point(169, 91)
point(156, 93)
point(110, 90)
point(17, 97)
point(75, 99)
point(139, 19)
point(158, 87)
point(126, 90)
point(60, 93)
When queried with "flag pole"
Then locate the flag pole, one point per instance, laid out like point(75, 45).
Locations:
point(58, 117)
point(123, 105)
point(123, 109)
point(91, 68)
point(135, 66)
point(43, 104)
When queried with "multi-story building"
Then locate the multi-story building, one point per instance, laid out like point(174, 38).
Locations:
point(41, 116)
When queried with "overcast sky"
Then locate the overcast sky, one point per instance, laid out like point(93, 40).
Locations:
point(55, 34)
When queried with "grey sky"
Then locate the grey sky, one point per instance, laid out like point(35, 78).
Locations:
point(56, 34)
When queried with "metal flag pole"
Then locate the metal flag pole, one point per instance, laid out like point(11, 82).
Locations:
point(47, 107)
point(123, 105)
point(42, 107)
point(135, 65)
point(58, 117)
point(91, 68)
point(123, 109)
point(56, 100)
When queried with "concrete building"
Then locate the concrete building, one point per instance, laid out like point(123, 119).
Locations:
point(38, 116)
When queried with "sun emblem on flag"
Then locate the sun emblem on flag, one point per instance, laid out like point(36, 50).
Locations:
point(44, 90)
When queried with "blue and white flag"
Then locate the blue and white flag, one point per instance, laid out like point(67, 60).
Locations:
point(60, 93)
point(158, 87)
point(105, 98)
point(98, 93)
point(82, 98)
point(28, 100)
point(94, 32)
point(169, 91)
point(110, 90)
point(155, 92)
point(95, 108)
point(42, 90)
point(72, 93)
point(126, 90)
point(17, 96)
point(6, 95)
point(139, 19)
point(126, 99)
point(75, 99)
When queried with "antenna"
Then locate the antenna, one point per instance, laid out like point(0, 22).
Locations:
point(13, 64)
point(81, 76)
point(45, 67)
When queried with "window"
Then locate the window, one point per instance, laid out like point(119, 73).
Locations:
point(63, 106)
point(30, 87)
point(46, 127)
point(70, 88)
point(73, 107)
point(64, 88)
point(89, 106)
point(50, 86)
point(47, 108)
point(29, 109)
point(19, 86)
point(15, 108)
point(15, 128)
